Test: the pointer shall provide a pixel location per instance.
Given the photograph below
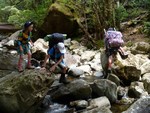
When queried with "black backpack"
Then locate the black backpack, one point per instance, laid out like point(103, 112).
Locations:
point(55, 38)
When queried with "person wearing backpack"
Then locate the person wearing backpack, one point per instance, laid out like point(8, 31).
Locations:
point(23, 42)
point(56, 53)
point(113, 41)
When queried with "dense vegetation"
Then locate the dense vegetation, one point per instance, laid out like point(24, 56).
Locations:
point(92, 15)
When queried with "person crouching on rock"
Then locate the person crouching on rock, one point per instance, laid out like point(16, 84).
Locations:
point(24, 38)
point(56, 53)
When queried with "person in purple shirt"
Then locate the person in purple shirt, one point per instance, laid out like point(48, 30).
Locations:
point(56, 53)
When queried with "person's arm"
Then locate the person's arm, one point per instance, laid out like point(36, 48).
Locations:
point(45, 60)
point(19, 44)
point(56, 64)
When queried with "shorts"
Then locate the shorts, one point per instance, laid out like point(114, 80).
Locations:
point(26, 49)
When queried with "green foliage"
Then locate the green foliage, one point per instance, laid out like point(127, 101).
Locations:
point(18, 12)
point(147, 28)
point(121, 13)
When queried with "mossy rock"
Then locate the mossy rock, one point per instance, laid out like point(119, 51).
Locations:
point(60, 19)
point(22, 92)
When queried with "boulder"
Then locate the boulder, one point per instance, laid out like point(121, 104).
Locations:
point(14, 36)
point(70, 60)
point(75, 72)
point(98, 74)
point(140, 48)
point(40, 45)
point(127, 70)
point(145, 68)
point(146, 82)
point(39, 55)
point(136, 90)
point(87, 55)
point(97, 110)
point(121, 92)
point(59, 19)
point(79, 104)
point(23, 92)
point(76, 90)
point(9, 61)
point(106, 88)
point(95, 66)
point(100, 102)
point(114, 79)
point(85, 68)
point(142, 105)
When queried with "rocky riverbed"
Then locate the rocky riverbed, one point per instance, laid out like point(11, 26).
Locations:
point(35, 91)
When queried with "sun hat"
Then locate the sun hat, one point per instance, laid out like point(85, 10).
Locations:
point(61, 47)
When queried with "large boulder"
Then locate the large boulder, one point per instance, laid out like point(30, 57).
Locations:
point(136, 90)
point(9, 61)
point(40, 45)
point(100, 102)
point(127, 70)
point(22, 92)
point(59, 19)
point(140, 106)
point(106, 88)
point(140, 48)
point(146, 81)
point(87, 55)
point(76, 90)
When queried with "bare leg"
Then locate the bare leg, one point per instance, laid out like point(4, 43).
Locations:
point(29, 61)
point(20, 69)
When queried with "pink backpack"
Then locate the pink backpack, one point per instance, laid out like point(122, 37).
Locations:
point(114, 38)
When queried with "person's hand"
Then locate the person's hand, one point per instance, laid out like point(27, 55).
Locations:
point(21, 49)
point(52, 69)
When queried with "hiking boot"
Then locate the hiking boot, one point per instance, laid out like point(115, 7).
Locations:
point(63, 79)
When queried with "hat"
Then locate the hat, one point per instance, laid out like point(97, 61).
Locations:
point(27, 24)
point(61, 47)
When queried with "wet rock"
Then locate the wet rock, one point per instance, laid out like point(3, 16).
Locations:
point(46, 102)
point(106, 88)
point(40, 45)
point(142, 105)
point(79, 104)
point(140, 48)
point(9, 61)
point(100, 102)
point(114, 79)
point(146, 82)
point(76, 90)
point(59, 19)
point(136, 90)
point(23, 92)
point(87, 55)
point(75, 72)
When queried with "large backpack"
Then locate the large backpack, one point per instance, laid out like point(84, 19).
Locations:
point(114, 38)
point(55, 38)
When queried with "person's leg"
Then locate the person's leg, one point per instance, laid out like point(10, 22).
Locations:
point(29, 66)
point(20, 69)
point(62, 77)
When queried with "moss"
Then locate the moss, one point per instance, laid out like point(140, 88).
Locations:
point(60, 7)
